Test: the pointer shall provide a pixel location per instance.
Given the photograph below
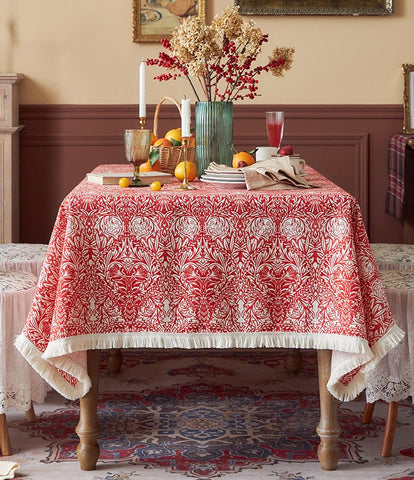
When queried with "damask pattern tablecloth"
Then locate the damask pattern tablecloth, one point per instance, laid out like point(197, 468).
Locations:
point(208, 268)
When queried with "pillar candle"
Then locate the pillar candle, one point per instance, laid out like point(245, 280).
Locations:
point(185, 117)
point(142, 105)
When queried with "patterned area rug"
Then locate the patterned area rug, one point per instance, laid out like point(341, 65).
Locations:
point(204, 414)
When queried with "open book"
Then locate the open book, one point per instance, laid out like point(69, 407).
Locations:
point(112, 178)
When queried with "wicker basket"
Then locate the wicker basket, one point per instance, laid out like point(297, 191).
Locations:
point(171, 156)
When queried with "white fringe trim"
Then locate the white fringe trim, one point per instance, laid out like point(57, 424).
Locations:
point(206, 340)
point(47, 368)
point(55, 355)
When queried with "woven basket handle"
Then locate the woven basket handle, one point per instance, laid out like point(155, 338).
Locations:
point(157, 111)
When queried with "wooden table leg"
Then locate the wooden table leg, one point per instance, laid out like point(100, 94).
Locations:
point(88, 426)
point(30, 414)
point(389, 432)
point(368, 412)
point(328, 428)
point(293, 361)
point(5, 446)
point(114, 360)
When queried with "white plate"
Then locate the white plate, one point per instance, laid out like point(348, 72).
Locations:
point(224, 183)
point(227, 178)
point(231, 172)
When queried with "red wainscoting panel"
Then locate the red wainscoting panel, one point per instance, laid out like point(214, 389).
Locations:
point(347, 143)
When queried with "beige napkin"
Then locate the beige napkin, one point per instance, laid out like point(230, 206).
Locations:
point(221, 168)
point(7, 469)
point(273, 174)
point(276, 173)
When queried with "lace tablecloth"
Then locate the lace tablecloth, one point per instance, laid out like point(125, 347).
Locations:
point(208, 268)
point(19, 383)
point(23, 257)
point(391, 256)
point(393, 378)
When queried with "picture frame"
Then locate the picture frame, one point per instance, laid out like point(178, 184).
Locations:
point(153, 20)
point(408, 98)
point(315, 7)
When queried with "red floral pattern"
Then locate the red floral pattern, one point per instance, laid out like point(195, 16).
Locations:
point(208, 267)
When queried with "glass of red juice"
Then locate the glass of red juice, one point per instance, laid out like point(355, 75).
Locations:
point(274, 124)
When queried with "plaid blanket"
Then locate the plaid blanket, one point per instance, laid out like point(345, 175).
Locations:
point(396, 176)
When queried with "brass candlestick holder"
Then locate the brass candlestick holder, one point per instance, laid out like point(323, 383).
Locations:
point(186, 184)
point(142, 121)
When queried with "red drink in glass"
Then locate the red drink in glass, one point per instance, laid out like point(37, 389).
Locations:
point(274, 125)
point(275, 133)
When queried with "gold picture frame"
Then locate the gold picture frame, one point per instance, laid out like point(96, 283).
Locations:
point(408, 98)
point(315, 7)
point(153, 20)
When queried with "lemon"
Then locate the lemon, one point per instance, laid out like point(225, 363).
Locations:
point(156, 186)
point(123, 182)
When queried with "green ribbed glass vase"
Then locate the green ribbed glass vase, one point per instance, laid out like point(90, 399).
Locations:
point(213, 134)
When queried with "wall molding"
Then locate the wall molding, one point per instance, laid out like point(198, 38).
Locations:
point(360, 161)
point(61, 139)
point(240, 111)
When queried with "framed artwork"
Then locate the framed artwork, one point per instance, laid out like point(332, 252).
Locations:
point(408, 71)
point(153, 20)
point(315, 7)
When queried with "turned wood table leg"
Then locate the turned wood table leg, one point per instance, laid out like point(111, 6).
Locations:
point(293, 361)
point(88, 427)
point(328, 428)
point(114, 360)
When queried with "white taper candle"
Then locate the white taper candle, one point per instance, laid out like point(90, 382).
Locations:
point(185, 117)
point(142, 104)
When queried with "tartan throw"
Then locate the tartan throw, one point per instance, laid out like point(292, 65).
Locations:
point(396, 176)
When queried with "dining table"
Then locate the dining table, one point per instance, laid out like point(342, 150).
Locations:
point(213, 267)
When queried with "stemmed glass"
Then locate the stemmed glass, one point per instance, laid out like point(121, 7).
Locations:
point(275, 125)
point(137, 147)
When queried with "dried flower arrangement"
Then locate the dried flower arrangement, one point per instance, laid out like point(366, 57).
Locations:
point(220, 56)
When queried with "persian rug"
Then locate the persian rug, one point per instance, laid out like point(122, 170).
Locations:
point(235, 414)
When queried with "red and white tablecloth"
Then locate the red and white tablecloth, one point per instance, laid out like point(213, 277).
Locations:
point(208, 268)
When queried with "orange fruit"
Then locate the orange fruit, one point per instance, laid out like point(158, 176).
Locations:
point(147, 167)
point(192, 142)
point(244, 158)
point(123, 182)
point(162, 142)
point(153, 138)
point(191, 171)
point(174, 134)
point(156, 186)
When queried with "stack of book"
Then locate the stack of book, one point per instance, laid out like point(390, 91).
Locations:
point(112, 178)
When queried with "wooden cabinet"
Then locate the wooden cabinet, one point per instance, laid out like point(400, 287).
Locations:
point(9, 156)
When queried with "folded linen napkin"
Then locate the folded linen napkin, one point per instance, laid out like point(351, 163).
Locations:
point(221, 168)
point(276, 173)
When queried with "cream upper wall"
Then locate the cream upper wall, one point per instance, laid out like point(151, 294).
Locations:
point(81, 52)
